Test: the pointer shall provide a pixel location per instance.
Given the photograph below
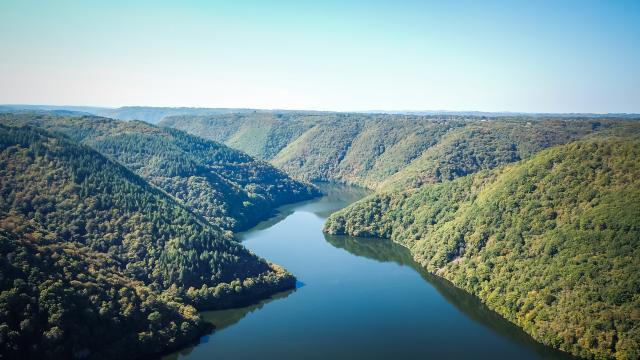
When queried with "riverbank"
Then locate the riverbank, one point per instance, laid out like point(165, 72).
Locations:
point(357, 299)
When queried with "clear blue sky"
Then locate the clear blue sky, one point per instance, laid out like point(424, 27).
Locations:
point(534, 56)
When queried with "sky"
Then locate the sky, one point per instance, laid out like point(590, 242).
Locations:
point(528, 56)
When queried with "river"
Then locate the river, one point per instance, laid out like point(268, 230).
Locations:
point(356, 299)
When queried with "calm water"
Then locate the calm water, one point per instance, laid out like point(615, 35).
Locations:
point(358, 298)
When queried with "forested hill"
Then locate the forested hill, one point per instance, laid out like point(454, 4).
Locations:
point(385, 150)
point(225, 186)
point(96, 262)
point(551, 243)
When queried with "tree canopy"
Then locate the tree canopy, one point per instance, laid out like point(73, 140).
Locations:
point(390, 150)
point(225, 186)
point(88, 244)
point(550, 243)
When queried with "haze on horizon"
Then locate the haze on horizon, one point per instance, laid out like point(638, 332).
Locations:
point(547, 56)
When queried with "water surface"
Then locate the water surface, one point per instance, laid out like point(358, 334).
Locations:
point(358, 298)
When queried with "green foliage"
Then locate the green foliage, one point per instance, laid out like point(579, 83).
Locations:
point(259, 133)
point(110, 227)
point(488, 144)
point(383, 151)
point(107, 223)
point(63, 300)
point(353, 148)
point(225, 186)
point(550, 243)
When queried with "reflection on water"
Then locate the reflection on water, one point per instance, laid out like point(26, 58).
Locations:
point(373, 248)
point(225, 318)
point(222, 319)
point(335, 197)
point(362, 299)
point(384, 250)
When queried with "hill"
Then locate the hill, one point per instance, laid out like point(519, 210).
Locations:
point(489, 144)
point(83, 237)
point(62, 299)
point(550, 243)
point(225, 186)
point(388, 150)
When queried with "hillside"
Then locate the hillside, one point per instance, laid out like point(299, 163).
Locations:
point(550, 243)
point(62, 299)
point(489, 144)
point(84, 237)
point(225, 186)
point(388, 150)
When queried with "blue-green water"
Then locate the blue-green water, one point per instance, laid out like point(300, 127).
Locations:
point(359, 299)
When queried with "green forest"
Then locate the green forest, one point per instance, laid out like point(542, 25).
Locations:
point(385, 150)
point(85, 238)
point(115, 234)
point(225, 186)
point(550, 243)
point(479, 201)
point(319, 180)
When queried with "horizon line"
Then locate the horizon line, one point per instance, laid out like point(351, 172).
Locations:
point(367, 111)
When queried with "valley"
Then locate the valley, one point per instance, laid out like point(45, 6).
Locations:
point(100, 262)
point(165, 234)
point(356, 297)
point(384, 180)
point(381, 151)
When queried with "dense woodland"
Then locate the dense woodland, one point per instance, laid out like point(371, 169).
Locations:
point(225, 186)
point(550, 243)
point(85, 238)
point(62, 300)
point(388, 150)
point(121, 231)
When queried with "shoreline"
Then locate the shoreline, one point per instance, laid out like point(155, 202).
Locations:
point(449, 282)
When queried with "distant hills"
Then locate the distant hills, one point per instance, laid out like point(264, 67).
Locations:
point(383, 150)
point(148, 114)
point(489, 114)
point(154, 115)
